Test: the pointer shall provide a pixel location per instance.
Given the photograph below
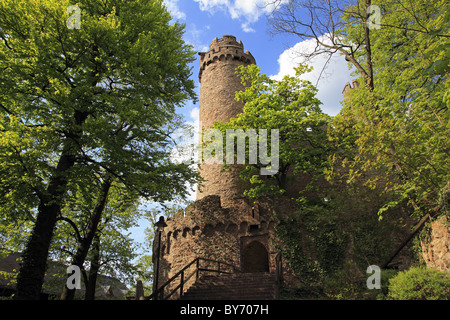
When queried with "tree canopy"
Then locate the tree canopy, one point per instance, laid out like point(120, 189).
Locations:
point(76, 104)
point(291, 107)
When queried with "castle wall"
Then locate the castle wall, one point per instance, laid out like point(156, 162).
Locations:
point(207, 230)
point(436, 252)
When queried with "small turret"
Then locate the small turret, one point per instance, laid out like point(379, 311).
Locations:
point(348, 87)
point(225, 48)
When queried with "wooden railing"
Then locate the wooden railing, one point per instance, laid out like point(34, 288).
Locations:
point(158, 294)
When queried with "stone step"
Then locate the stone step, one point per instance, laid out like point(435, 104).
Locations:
point(236, 286)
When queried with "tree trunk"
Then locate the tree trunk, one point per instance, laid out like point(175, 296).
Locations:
point(369, 78)
point(93, 272)
point(84, 245)
point(405, 242)
point(34, 259)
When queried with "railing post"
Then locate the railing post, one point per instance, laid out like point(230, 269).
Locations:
point(181, 283)
point(279, 268)
point(161, 293)
point(198, 267)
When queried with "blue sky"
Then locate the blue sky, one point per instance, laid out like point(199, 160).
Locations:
point(276, 55)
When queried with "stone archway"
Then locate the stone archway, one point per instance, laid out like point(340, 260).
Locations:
point(255, 258)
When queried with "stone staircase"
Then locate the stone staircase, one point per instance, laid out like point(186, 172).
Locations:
point(235, 286)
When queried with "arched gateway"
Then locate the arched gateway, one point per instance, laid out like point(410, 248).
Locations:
point(255, 258)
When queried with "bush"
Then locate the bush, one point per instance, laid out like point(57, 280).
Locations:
point(340, 287)
point(419, 283)
point(382, 293)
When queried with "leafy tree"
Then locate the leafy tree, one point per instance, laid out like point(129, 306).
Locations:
point(400, 126)
point(112, 250)
point(75, 102)
point(391, 135)
point(403, 65)
point(291, 107)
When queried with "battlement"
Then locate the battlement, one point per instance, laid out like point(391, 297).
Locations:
point(206, 215)
point(348, 87)
point(226, 40)
point(206, 229)
point(225, 48)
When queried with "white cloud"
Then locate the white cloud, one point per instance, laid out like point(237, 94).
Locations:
point(195, 122)
point(172, 7)
point(187, 146)
point(193, 37)
point(248, 10)
point(330, 81)
point(247, 28)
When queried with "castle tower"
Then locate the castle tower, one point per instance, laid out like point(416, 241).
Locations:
point(221, 226)
point(219, 84)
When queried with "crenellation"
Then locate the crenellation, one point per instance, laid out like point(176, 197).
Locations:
point(348, 87)
point(226, 48)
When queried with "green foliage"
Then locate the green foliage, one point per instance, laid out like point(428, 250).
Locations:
point(343, 285)
point(387, 149)
point(107, 92)
point(312, 243)
point(293, 250)
point(420, 283)
point(399, 128)
point(337, 223)
point(386, 276)
point(329, 244)
point(290, 106)
point(116, 249)
point(77, 103)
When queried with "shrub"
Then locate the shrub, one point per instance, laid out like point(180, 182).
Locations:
point(419, 283)
point(340, 287)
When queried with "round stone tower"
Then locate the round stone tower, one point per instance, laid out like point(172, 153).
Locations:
point(219, 84)
point(220, 226)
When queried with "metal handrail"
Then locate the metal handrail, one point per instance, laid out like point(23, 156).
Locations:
point(279, 269)
point(184, 279)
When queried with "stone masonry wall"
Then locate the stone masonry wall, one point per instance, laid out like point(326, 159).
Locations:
point(207, 230)
point(219, 84)
point(436, 252)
